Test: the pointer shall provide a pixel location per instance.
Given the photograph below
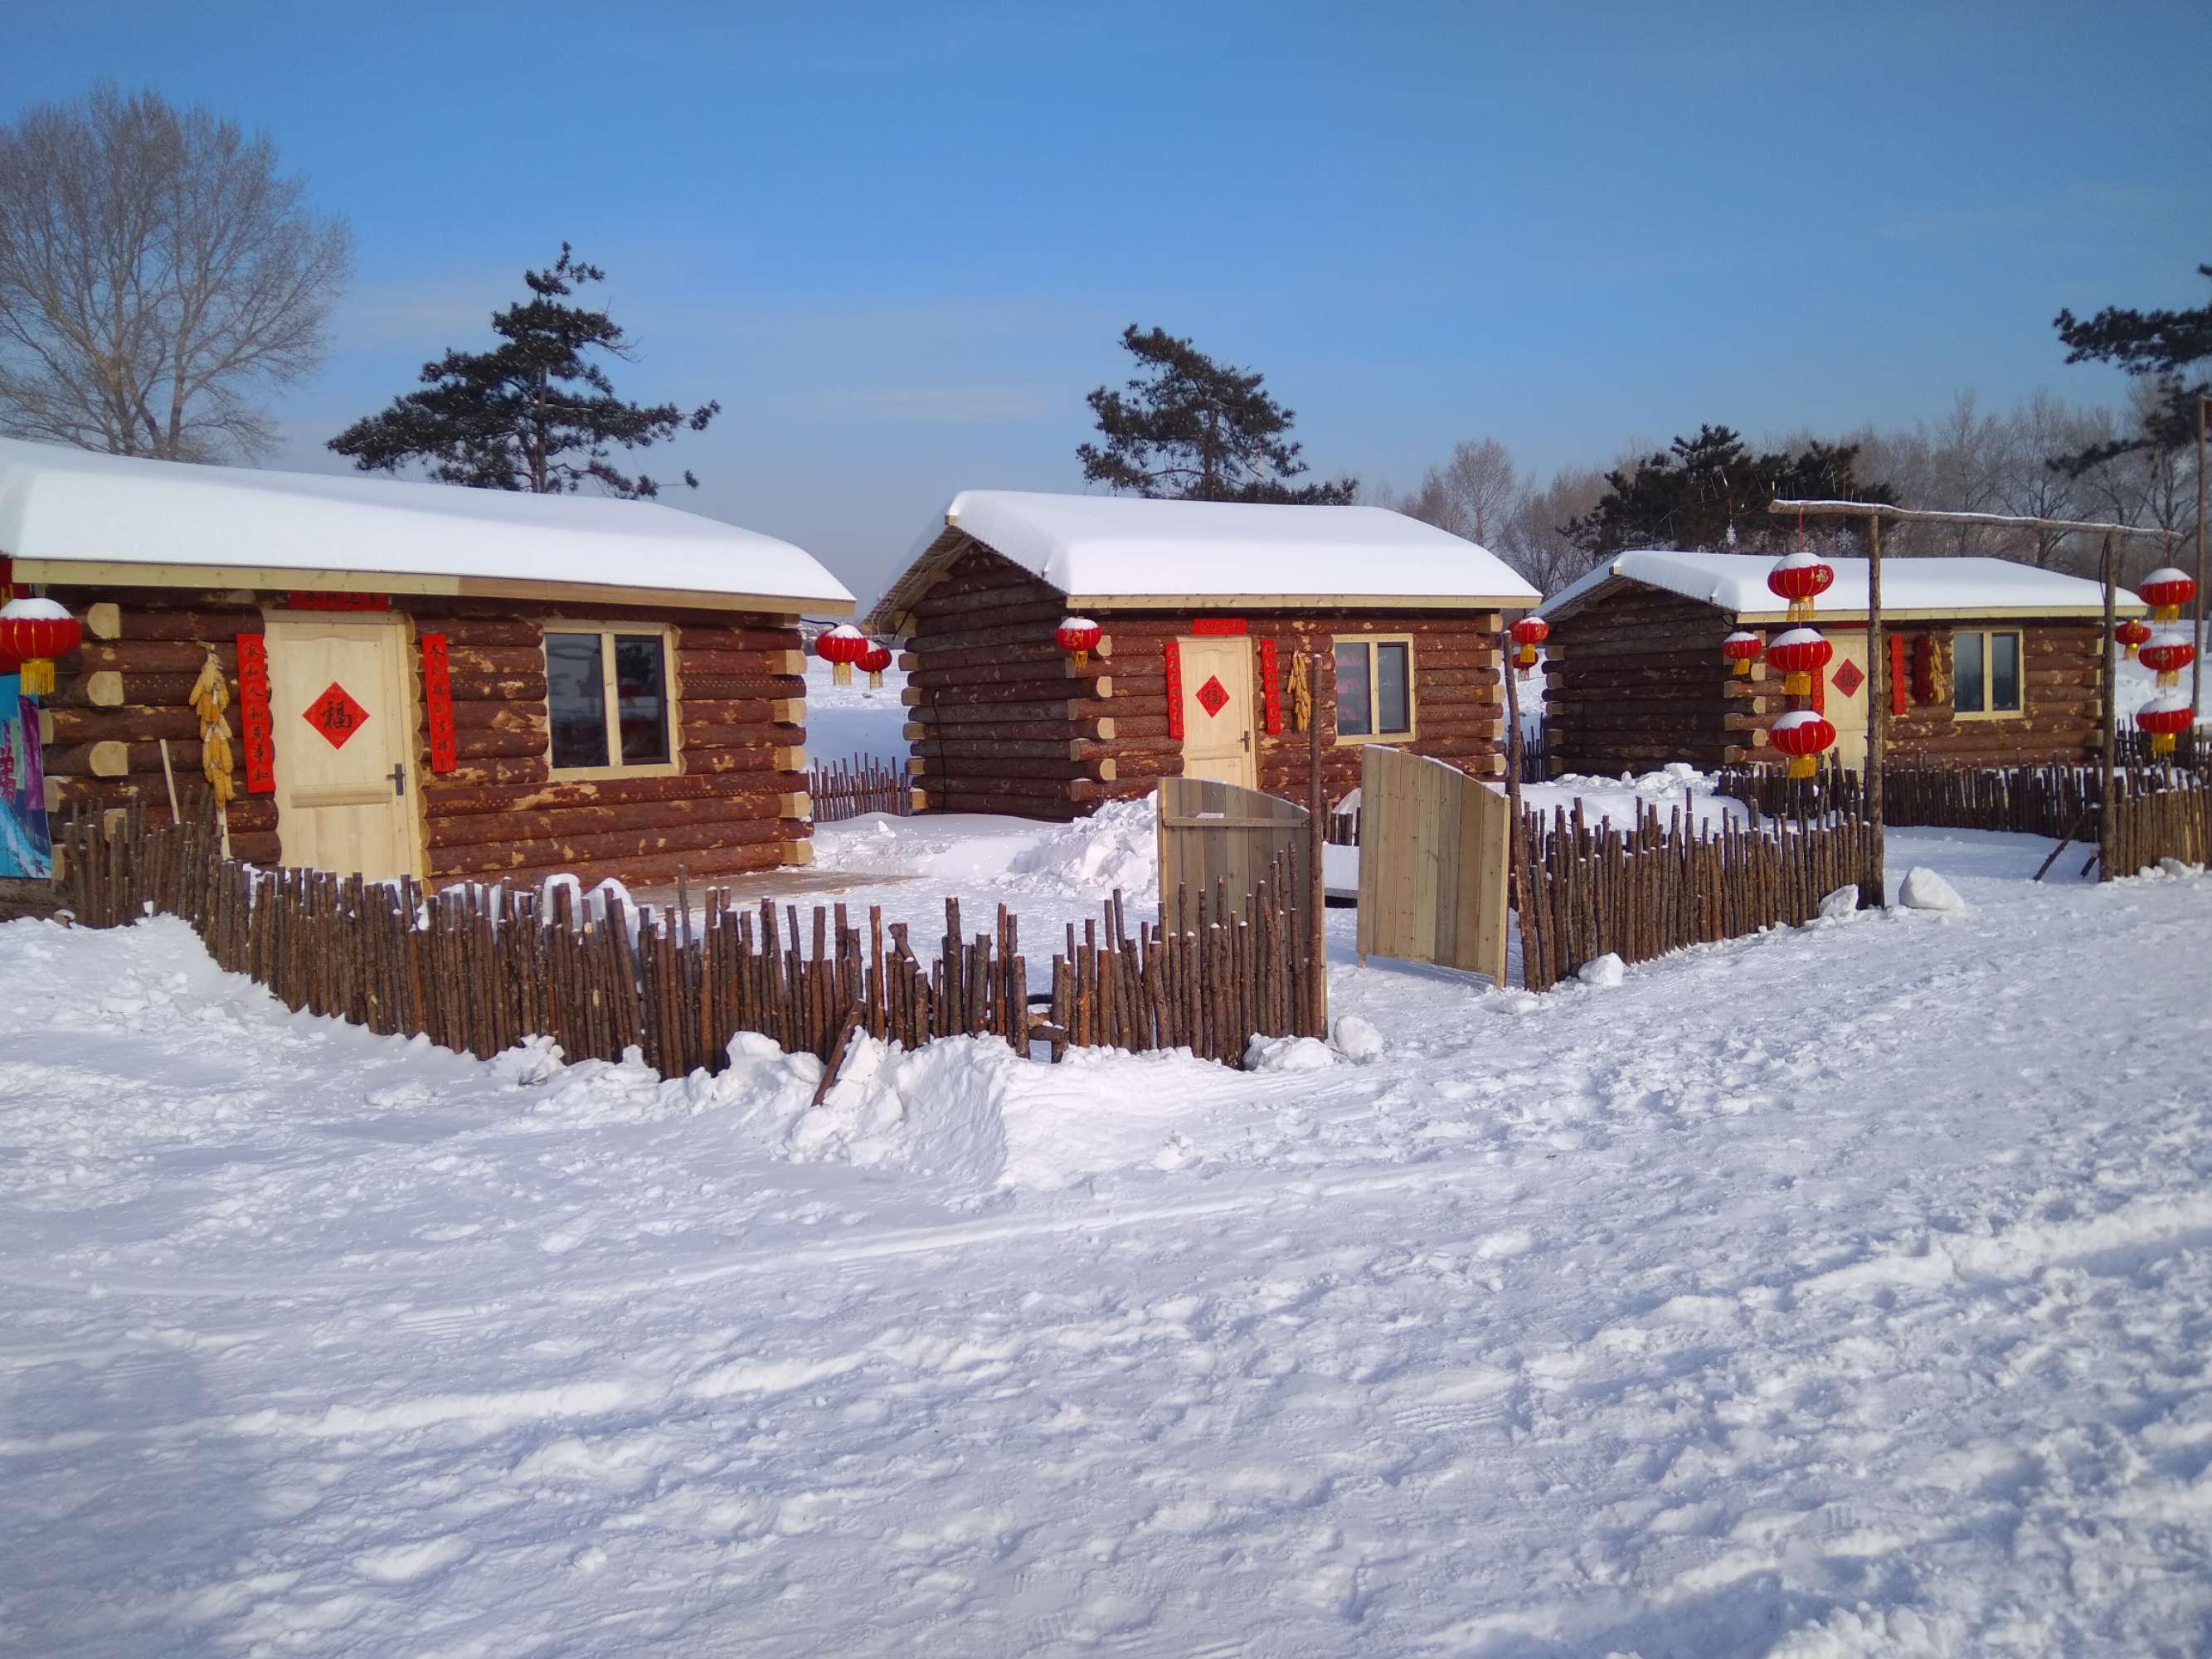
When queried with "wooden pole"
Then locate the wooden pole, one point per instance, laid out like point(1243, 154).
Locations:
point(2197, 665)
point(1316, 823)
point(1877, 716)
point(1515, 874)
point(2109, 697)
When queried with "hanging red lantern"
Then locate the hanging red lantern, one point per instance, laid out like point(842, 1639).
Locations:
point(841, 647)
point(1803, 736)
point(1800, 653)
point(1743, 647)
point(1078, 636)
point(2133, 633)
point(2165, 717)
point(1529, 633)
point(2167, 652)
point(872, 662)
point(2166, 591)
point(35, 632)
point(1801, 578)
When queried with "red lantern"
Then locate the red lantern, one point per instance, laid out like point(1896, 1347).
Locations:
point(1801, 578)
point(2166, 591)
point(1527, 634)
point(1077, 636)
point(872, 662)
point(1800, 653)
point(2133, 633)
point(1803, 735)
point(1743, 647)
point(841, 647)
point(35, 632)
point(2165, 719)
point(2167, 653)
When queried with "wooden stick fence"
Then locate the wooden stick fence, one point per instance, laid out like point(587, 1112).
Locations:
point(1584, 890)
point(2161, 809)
point(477, 968)
point(847, 788)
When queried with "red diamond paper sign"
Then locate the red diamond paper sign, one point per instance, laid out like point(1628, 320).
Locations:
point(336, 715)
point(1848, 679)
point(1211, 696)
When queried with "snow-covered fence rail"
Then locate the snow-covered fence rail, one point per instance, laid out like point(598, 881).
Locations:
point(478, 967)
point(847, 788)
point(1584, 891)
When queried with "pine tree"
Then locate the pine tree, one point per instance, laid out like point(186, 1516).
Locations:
point(2172, 349)
point(531, 413)
point(1711, 493)
point(1194, 429)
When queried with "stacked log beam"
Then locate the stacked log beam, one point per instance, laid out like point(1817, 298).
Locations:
point(121, 694)
point(1639, 681)
point(1000, 720)
point(735, 802)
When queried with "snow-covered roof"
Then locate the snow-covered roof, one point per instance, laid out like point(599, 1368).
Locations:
point(1127, 550)
point(1736, 583)
point(166, 523)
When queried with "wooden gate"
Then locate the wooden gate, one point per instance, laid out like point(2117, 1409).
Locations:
point(1433, 848)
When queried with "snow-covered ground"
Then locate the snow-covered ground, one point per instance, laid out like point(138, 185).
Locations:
point(1843, 1290)
point(848, 722)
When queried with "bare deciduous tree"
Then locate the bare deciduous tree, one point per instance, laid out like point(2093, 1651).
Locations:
point(155, 271)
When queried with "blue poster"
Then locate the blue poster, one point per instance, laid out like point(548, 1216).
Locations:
point(26, 849)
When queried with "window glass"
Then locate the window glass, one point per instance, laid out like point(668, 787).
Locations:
point(2004, 672)
point(1394, 696)
point(640, 698)
point(1966, 695)
point(1354, 699)
point(576, 692)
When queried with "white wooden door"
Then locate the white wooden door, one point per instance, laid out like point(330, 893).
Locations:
point(343, 724)
point(1220, 735)
point(1847, 698)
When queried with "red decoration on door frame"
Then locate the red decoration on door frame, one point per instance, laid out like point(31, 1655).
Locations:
point(1901, 688)
point(1820, 703)
point(258, 732)
point(305, 601)
point(1271, 695)
point(438, 703)
point(1173, 652)
point(1216, 625)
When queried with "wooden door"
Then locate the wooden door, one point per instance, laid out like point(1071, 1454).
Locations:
point(1220, 734)
point(343, 722)
point(1847, 698)
point(1433, 849)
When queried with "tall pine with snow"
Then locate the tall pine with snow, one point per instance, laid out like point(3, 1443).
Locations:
point(535, 412)
point(1190, 428)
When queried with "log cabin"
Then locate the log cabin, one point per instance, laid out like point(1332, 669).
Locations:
point(422, 679)
point(1991, 663)
point(1211, 618)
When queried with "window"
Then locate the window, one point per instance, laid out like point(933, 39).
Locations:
point(1374, 687)
point(1985, 673)
point(608, 693)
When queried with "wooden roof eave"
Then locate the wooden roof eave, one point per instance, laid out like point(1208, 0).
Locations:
point(94, 573)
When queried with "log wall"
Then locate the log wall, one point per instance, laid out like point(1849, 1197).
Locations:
point(1001, 720)
point(1635, 680)
point(737, 803)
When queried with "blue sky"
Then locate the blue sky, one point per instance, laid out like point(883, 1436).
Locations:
point(899, 243)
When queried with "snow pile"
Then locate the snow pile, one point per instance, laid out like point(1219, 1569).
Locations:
point(1603, 972)
point(1117, 846)
point(1357, 1039)
point(1287, 1053)
point(1925, 890)
point(1842, 904)
point(937, 1112)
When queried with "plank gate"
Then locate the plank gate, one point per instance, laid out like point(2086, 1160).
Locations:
point(1231, 842)
point(1433, 848)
